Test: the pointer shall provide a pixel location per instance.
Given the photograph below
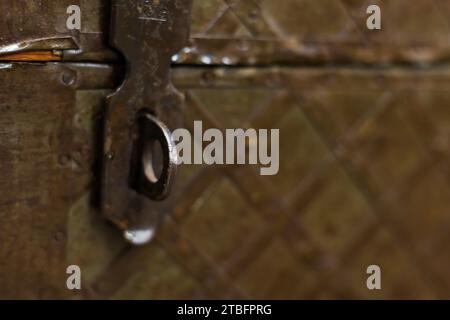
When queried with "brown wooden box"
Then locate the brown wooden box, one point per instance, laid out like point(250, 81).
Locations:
point(364, 176)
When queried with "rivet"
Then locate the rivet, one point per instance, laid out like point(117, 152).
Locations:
point(68, 79)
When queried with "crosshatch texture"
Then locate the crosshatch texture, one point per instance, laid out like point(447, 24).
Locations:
point(359, 184)
point(364, 126)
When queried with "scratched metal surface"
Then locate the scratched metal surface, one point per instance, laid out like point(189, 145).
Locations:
point(364, 172)
point(48, 147)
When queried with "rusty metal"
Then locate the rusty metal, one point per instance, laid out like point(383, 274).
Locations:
point(147, 33)
point(32, 56)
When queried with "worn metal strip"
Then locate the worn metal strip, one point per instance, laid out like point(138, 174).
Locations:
point(147, 33)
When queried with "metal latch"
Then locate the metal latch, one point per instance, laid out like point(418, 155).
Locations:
point(139, 154)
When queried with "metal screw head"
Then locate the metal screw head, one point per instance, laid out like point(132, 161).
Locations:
point(68, 78)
